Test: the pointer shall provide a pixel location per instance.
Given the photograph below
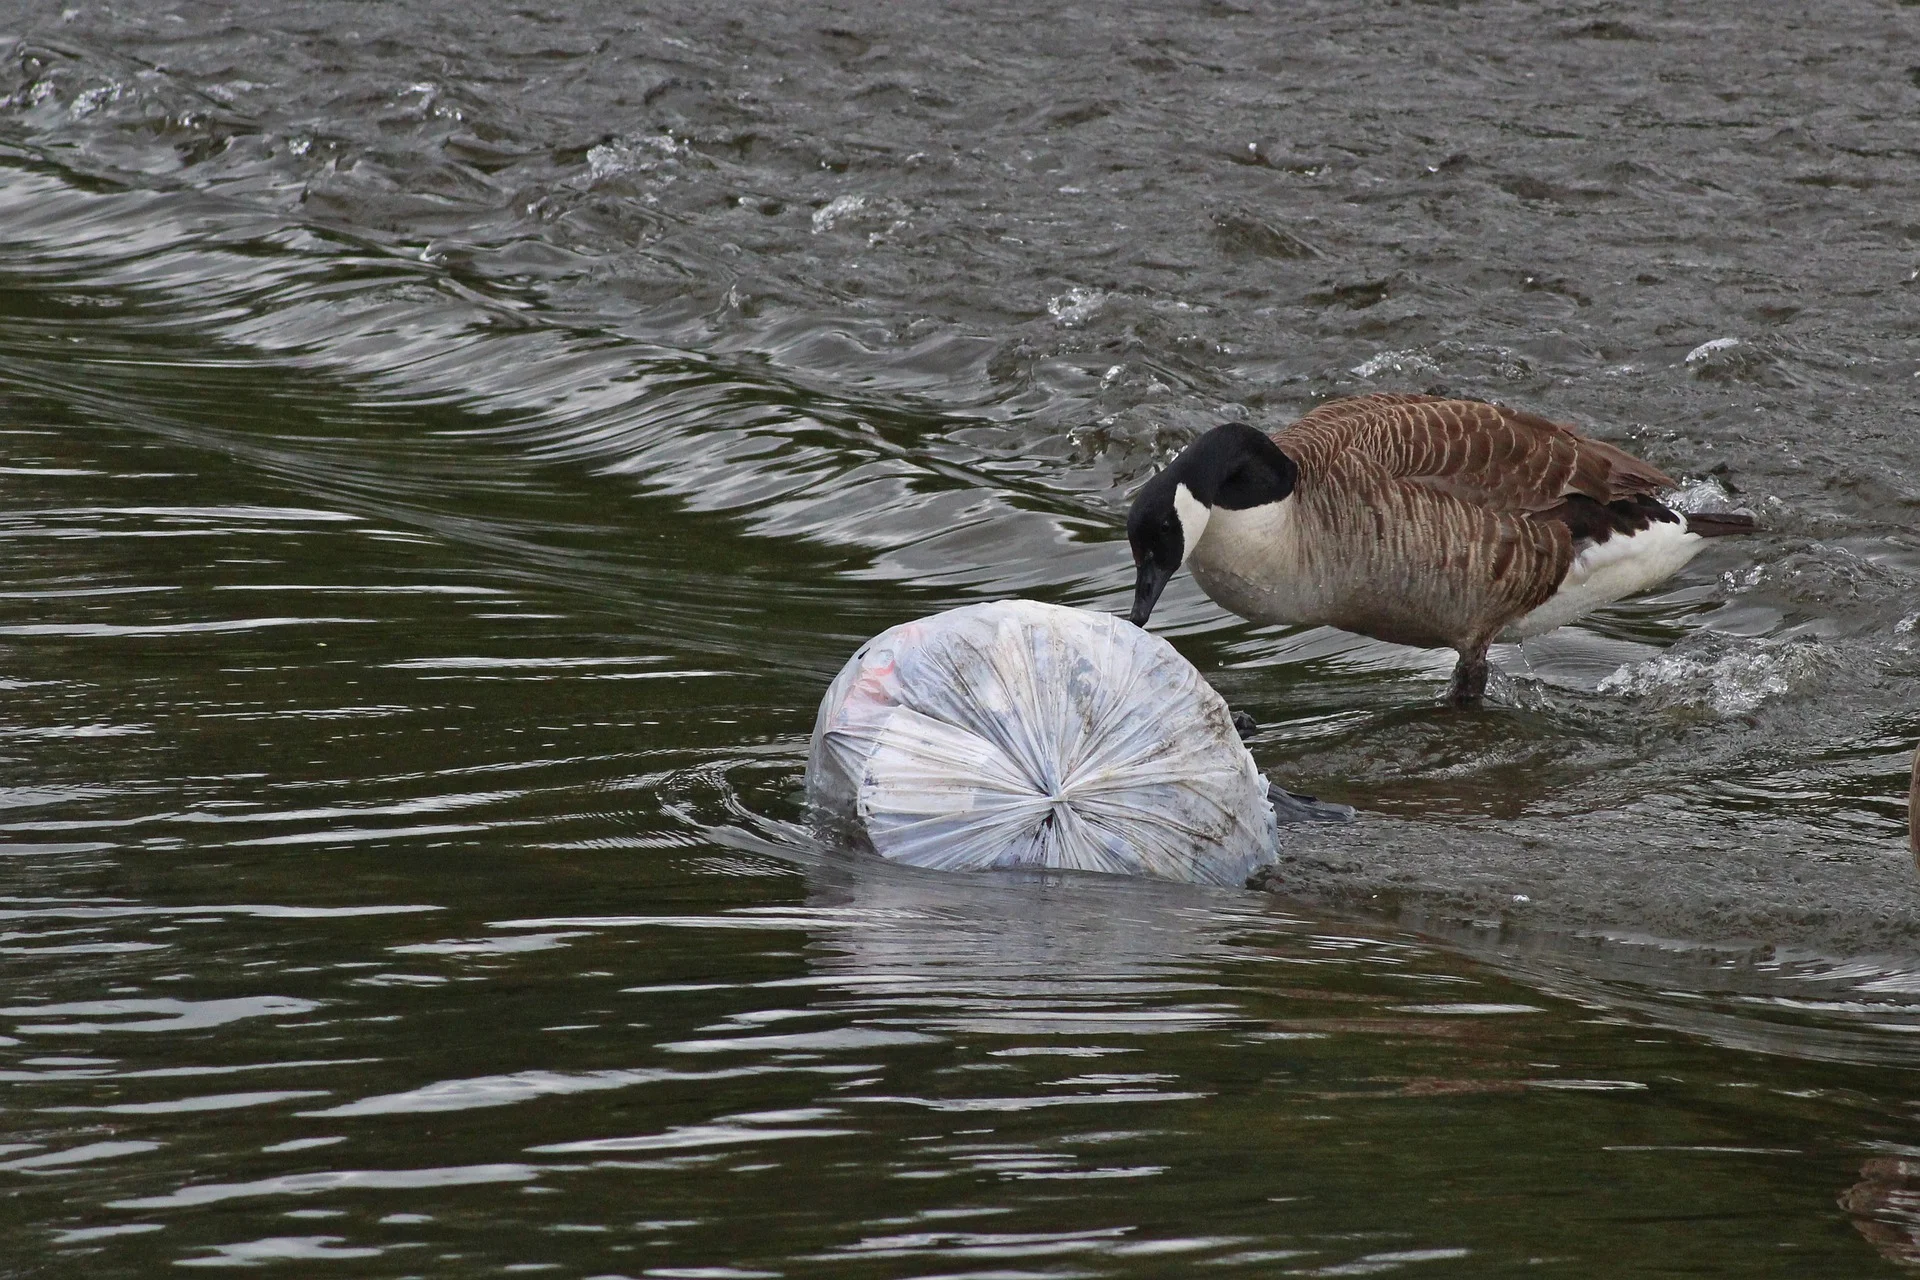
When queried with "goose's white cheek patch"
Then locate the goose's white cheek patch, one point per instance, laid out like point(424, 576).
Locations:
point(1194, 515)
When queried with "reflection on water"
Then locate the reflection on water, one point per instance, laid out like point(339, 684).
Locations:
point(873, 1064)
point(1885, 1208)
point(441, 462)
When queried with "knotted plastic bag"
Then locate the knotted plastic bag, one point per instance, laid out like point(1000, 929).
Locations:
point(1021, 734)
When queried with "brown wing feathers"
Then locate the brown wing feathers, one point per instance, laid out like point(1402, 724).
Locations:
point(1517, 495)
point(1485, 454)
point(1509, 460)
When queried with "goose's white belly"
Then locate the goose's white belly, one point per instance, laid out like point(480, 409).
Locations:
point(1608, 571)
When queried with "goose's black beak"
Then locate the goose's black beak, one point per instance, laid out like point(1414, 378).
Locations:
point(1152, 579)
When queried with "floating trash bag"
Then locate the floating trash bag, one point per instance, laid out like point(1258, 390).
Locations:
point(1020, 734)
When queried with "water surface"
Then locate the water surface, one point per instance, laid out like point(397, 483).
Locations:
point(445, 455)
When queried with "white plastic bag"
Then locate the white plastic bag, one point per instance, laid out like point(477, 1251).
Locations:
point(1020, 734)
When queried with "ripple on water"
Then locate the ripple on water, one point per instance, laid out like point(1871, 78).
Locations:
point(306, 1184)
point(435, 493)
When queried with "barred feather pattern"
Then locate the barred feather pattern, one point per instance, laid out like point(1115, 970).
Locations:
point(1429, 521)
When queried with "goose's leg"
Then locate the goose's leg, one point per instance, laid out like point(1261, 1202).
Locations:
point(1469, 678)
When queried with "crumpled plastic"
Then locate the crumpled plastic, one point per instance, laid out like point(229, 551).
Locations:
point(1021, 734)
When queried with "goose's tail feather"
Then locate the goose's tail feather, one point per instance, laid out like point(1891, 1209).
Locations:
point(1720, 524)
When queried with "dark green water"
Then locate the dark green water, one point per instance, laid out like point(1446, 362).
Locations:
point(443, 456)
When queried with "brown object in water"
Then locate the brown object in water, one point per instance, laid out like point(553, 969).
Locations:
point(1885, 1207)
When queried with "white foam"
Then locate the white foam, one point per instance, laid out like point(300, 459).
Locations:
point(1400, 363)
point(1076, 306)
point(1707, 350)
point(834, 210)
point(1731, 683)
point(612, 159)
point(1704, 496)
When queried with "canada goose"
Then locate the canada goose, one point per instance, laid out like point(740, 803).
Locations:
point(1413, 519)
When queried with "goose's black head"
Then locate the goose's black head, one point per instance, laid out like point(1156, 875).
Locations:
point(1233, 467)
